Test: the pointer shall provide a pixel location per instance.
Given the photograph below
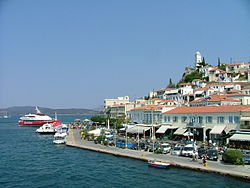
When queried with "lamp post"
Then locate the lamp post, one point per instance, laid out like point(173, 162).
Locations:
point(152, 120)
point(126, 141)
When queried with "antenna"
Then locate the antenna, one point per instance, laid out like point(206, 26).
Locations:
point(37, 110)
point(55, 116)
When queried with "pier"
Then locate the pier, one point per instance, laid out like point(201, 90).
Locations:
point(237, 171)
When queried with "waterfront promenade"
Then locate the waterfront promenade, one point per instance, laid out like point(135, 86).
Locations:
point(219, 167)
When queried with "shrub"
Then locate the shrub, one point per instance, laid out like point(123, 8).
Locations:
point(233, 156)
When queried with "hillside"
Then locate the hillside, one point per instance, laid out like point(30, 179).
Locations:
point(21, 110)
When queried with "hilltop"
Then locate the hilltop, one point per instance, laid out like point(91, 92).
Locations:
point(21, 110)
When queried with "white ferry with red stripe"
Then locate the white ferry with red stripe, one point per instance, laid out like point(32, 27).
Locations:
point(35, 120)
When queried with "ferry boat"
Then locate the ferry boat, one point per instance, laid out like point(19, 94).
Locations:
point(158, 164)
point(35, 120)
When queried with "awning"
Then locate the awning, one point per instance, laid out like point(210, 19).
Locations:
point(173, 127)
point(217, 129)
point(199, 92)
point(245, 119)
point(180, 131)
point(137, 129)
point(229, 128)
point(96, 132)
point(240, 137)
point(162, 129)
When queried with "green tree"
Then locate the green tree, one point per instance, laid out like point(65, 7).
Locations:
point(98, 119)
point(203, 63)
point(233, 156)
point(171, 85)
point(190, 77)
point(222, 67)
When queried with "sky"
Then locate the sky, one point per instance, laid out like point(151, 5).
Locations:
point(74, 54)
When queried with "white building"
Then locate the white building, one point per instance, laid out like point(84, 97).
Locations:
point(118, 101)
point(145, 113)
point(197, 59)
point(215, 100)
point(208, 122)
point(205, 70)
point(224, 87)
point(185, 88)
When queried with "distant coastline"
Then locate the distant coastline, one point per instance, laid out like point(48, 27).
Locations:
point(22, 110)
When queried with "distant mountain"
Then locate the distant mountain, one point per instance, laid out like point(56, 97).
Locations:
point(21, 110)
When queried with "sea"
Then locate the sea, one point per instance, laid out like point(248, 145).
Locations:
point(28, 159)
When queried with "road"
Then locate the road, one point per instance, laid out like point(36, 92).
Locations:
point(220, 167)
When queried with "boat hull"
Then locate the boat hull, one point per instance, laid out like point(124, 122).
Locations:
point(158, 164)
point(37, 123)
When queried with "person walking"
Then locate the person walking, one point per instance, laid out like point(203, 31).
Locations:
point(204, 160)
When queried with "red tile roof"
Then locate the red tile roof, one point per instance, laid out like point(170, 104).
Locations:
point(185, 84)
point(219, 83)
point(155, 99)
point(209, 109)
point(237, 94)
point(202, 88)
point(216, 98)
point(247, 87)
point(150, 107)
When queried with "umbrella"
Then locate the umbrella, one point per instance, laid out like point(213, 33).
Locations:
point(188, 134)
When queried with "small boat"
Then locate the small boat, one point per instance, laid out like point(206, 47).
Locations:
point(158, 164)
point(60, 138)
point(49, 128)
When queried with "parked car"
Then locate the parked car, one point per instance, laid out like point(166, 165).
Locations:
point(165, 148)
point(177, 150)
point(246, 157)
point(188, 150)
point(212, 154)
point(201, 152)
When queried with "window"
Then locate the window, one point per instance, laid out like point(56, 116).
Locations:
point(167, 118)
point(183, 118)
point(209, 119)
point(175, 119)
point(220, 119)
point(200, 119)
point(231, 119)
point(236, 119)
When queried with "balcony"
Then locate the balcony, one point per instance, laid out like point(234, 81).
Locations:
point(195, 125)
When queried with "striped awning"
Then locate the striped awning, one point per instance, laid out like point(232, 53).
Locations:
point(162, 129)
point(180, 131)
point(240, 137)
point(217, 129)
point(138, 130)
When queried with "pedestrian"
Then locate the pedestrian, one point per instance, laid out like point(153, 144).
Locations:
point(193, 156)
point(204, 160)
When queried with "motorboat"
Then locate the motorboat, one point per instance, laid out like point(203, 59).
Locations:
point(158, 164)
point(60, 138)
point(49, 128)
point(35, 120)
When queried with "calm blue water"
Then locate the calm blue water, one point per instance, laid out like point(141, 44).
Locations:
point(31, 160)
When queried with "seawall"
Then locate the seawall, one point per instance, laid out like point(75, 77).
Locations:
point(242, 172)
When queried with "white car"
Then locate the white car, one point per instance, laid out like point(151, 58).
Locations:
point(188, 150)
point(165, 148)
point(176, 150)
